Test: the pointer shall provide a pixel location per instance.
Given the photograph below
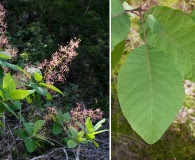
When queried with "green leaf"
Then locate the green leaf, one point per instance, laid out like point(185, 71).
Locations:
point(2, 108)
point(154, 24)
point(1, 124)
point(66, 139)
point(72, 143)
point(2, 63)
point(29, 128)
point(4, 56)
point(38, 144)
point(82, 140)
point(120, 23)
point(73, 131)
point(57, 129)
point(20, 133)
point(10, 109)
point(150, 92)
point(14, 67)
point(1, 74)
point(8, 83)
point(80, 134)
point(95, 143)
point(178, 41)
point(38, 99)
point(117, 53)
point(41, 90)
point(51, 87)
point(16, 105)
point(192, 15)
point(29, 100)
point(18, 94)
point(66, 117)
point(99, 124)
point(2, 95)
point(38, 77)
point(37, 126)
point(30, 145)
point(61, 118)
point(90, 136)
point(89, 126)
point(48, 96)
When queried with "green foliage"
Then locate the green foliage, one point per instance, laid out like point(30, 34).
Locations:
point(37, 126)
point(18, 94)
point(150, 82)
point(175, 41)
point(10, 100)
point(36, 28)
point(4, 56)
point(72, 143)
point(118, 32)
point(145, 79)
point(51, 87)
point(36, 32)
point(87, 133)
point(57, 129)
point(30, 145)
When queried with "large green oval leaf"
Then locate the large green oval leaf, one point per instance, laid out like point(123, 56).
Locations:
point(150, 91)
point(176, 40)
point(120, 23)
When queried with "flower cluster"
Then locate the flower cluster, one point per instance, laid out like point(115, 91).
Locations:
point(80, 114)
point(4, 43)
point(54, 69)
point(77, 114)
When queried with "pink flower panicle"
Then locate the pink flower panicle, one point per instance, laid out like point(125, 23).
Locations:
point(80, 114)
point(4, 42)
point(54, 69)
point(77, 114)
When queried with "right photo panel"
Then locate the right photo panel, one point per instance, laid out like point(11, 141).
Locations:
point(152, 80)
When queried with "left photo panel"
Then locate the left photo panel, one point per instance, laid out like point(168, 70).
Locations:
point(54, 80)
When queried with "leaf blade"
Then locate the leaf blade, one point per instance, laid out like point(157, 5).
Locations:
point(152, 90)
point(120, 23)
point(30, 145)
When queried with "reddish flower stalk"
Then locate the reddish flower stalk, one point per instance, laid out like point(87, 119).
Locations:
point(54, 69)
